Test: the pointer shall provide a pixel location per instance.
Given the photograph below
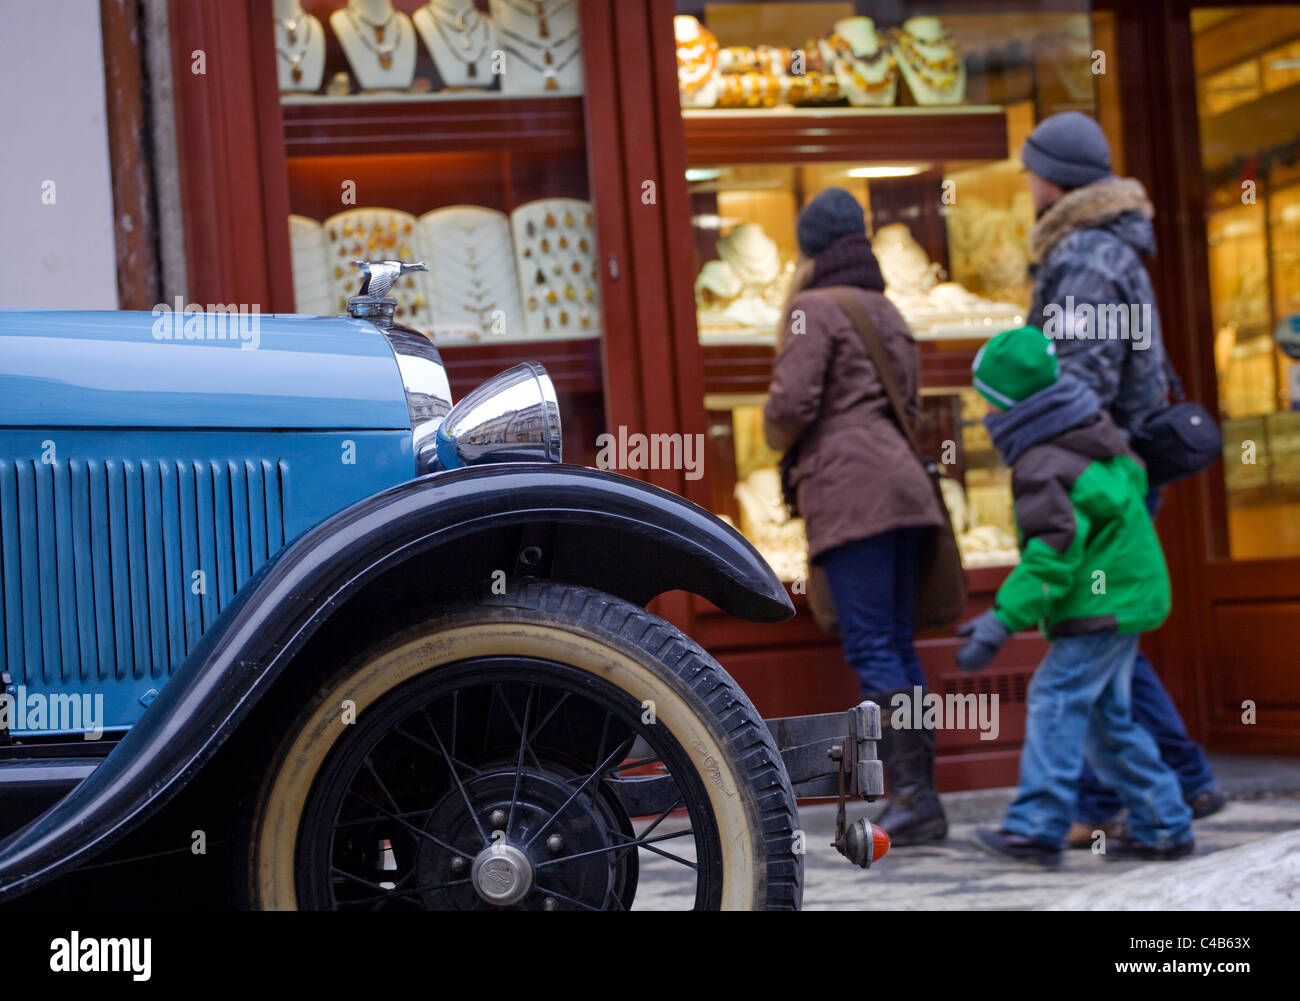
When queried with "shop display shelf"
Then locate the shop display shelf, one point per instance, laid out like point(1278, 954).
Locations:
point(433, 123)
point(573, 365)
point(899, 134)
point(746, 369)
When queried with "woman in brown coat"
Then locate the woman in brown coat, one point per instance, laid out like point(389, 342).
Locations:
point(866, 501)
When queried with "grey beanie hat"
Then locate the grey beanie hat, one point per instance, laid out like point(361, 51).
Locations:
point(833, 214)
point(1068, 149)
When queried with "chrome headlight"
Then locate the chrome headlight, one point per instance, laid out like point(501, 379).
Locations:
point(513, 417)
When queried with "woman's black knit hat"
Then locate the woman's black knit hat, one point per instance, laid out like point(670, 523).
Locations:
point(833, 214)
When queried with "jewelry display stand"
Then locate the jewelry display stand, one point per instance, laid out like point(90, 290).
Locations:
point(379, 43)
point(542, 43)
point(766, 522)
point(311, 285)
point(697, 63)
point(932, 67)
point(742, 292)
point(376, 234)
point(904, 264)
point(1071, 61)
point(933, 308)
point(864, 63)
point(299, 47)
point(461, 40)
point(473, 284)
point(555, 254)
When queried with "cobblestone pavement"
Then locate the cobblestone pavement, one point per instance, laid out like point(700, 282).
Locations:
point(958, 876)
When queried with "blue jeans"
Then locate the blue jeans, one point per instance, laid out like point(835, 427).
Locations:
point(1079, 709)
point(1155, 712)
point(873, 586)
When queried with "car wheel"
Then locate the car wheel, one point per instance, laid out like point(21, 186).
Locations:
point(555, 748)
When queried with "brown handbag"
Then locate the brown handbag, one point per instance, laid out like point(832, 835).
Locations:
point(940, 578)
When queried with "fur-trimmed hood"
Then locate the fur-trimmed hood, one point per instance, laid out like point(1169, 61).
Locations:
point(1118, 204)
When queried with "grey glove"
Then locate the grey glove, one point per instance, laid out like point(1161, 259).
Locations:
point(984, 636)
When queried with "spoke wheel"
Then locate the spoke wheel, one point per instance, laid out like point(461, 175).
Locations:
point(494, 783)
point(555, 748)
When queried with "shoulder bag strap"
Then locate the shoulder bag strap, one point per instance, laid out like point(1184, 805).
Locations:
point(848, 301)
point(1176, 392)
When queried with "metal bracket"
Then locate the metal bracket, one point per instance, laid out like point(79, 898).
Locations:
point(860, 774)
point(835, 755)
point(866, 771)
point(811, 746)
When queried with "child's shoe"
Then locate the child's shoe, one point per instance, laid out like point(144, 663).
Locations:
point(1080, 835)
point(1125, 849)
point(1207, 804)
point(1017, 846)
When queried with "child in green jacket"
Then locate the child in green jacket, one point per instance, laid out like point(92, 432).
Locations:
point(1092, 577)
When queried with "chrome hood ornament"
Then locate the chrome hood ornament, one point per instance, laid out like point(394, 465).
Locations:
point(377, 279)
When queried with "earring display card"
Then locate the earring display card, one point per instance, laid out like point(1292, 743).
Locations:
point(311, 285)
point(474, 290)
point(376, 235)
point(555, 254)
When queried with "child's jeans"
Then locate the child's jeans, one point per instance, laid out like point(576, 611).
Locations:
point(1079, 709)
point(1155, 712)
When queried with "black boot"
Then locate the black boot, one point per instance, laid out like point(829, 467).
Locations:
point(914, 815)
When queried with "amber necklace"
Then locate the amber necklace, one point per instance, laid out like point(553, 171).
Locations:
point(543, 10)
point(458, 17)
point(382, 51)
point(938, 73)
point(547, 49)
point(858, 64)
point(294, 56)
point(465, 31)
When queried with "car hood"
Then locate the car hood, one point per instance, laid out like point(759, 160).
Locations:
point(136, 369)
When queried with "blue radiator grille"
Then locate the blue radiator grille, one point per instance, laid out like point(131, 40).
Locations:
point(114, 568)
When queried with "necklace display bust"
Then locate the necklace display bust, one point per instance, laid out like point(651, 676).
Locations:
point(461, 39)
point(930, 63)
point(752, 255)
point(697, 63)
point(863, 62)
point(906, 266)
point(379, 43)
point(299, 47)
point(543, 45)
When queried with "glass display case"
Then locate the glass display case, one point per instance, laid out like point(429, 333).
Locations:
point(921, 118)
point(450, 132)
point(1248, 105)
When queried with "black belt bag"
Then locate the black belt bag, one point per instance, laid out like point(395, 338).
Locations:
point(1180, 440)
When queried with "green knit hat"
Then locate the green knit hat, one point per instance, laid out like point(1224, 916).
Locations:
point(1014, 365)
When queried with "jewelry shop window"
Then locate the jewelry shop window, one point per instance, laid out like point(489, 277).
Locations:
point(921, 117)
point(450, 132)
point(1248, 103)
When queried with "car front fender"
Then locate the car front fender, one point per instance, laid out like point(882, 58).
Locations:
point(604, 530)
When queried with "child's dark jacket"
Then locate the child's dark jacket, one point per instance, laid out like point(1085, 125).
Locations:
point(1090, 557)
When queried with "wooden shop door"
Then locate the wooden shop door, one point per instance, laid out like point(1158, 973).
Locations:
point(1211, 107)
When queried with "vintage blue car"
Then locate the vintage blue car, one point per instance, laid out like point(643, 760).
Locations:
point(266, 593)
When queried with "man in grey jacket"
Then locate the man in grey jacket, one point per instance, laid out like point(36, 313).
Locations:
point(1092, 294)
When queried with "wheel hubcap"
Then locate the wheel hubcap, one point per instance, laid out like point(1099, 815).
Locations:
point(502, 874)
